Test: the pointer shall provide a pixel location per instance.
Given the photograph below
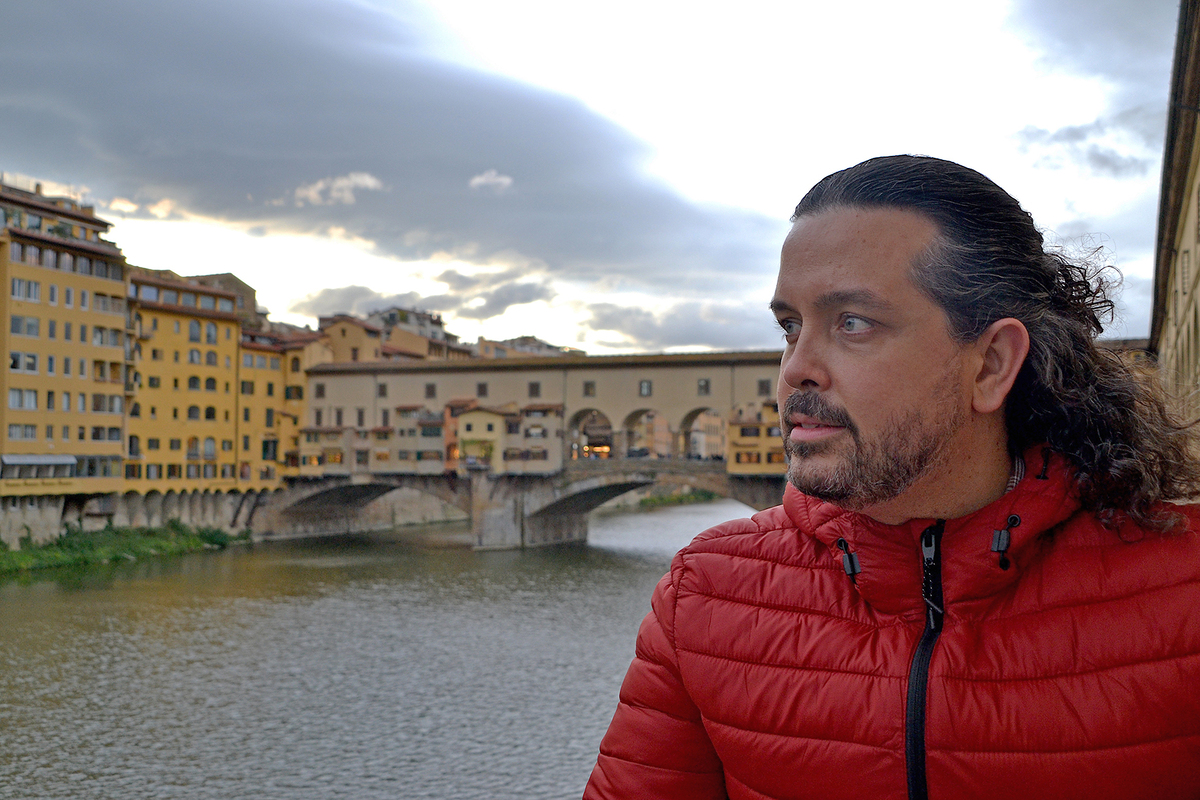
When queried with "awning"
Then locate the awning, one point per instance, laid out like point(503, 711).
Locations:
point(36, 460)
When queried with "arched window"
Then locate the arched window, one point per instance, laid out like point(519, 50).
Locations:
point(210, 384)
point(135, 447)
point(193, 450)
point(194, 331)
point(210, 448)
point(193, 382)
point(210, 358)
point(193, 356)
point(135, 410)
point(210, 332)
point(193, 412)
point(295, 364)
point(210, 412)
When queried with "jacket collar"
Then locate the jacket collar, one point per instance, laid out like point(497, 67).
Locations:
point(889, 556)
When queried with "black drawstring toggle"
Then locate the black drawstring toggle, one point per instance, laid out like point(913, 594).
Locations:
point(849, 560)
point(1002, 538)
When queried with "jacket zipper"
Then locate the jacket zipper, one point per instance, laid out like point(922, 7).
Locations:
point(918, 675)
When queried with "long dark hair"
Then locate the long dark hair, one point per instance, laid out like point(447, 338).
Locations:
point(1109, 416)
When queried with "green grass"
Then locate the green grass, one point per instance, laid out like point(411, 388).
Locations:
point(112, 545)
point(661, 500)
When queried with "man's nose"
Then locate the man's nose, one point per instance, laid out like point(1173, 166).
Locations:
point(804, 365)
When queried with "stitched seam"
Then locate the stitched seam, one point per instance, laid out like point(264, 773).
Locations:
point(672, 770)
point(1147, 743)
point(1135, 594)
point(815, 612)
point(802, 667)
point(731, 726)
point(1058, 675)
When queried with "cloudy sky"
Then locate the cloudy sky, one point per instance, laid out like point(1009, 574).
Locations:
point(616, 177)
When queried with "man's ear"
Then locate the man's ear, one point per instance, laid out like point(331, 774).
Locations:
point(1002, 349)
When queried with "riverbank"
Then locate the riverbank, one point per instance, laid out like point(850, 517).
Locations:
point(77, 548)
point(681, 499)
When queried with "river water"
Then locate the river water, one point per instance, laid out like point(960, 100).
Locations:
point(350, 668)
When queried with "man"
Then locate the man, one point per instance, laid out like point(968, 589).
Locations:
point(974, 587)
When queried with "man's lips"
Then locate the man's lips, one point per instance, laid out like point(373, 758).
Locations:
point(807, 429)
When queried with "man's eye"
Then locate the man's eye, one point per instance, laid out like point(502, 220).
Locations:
point(790, 327)
point(855, 324)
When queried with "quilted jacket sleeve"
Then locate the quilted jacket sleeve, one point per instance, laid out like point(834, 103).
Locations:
point(656, 747)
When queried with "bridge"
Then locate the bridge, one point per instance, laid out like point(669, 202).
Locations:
point(506, 511)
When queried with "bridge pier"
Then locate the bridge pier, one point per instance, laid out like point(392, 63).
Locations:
point(498, 513)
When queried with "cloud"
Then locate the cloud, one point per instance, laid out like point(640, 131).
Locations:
point(219, 102)
point(499, 300)
point(719, 325)
point(330, 191)
point(362, 300)
point(491, 180)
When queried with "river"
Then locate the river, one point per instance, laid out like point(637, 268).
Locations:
point(361, 667)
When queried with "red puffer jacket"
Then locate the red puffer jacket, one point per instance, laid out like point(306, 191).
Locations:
point(765, 671)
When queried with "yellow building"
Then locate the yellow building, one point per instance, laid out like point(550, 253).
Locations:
point(182, 423)
point(64, 328)
point(754, 444)
point(1175, 320)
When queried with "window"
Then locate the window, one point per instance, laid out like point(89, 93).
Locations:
point(193, 412)
point(295, 364)
point(318, 390)
point(354, 354)
point(53, 295)
point(155, 354)
point(270, 449)
point(210, 333)
point(645, 388)
point(589, 388)
point(49, 365)
point(154, 381)
point(270, 389)
point(210, 358)
point(293, 393)
point(748, 458)
point(481, 390)
point(430, 391)
point(208, 302)
point(83, 298)
point(750, 430)
point(188, 299)
point(260, 362)
point(194, 383)
point(381, 390)
point(210, 448)
point(317, 417)
point(224, 304)
point(210, 412)
point(337, 417)
point(383, 418)
point(193, 356)
point(175, 444)
point(28, 290)
point(535, 389)
point(152, 444)
point(66, 365)
point(361, 416)
point(246, 414)
point(703, 387)
point(764, 387)
point(193, 330)
point(49, 406)
point(270, 418)
point(24, 326)
point(51, 329)
point(22, 399)
point(66, 331)
point(68, 296)
point(247, 387)
point(245, 442)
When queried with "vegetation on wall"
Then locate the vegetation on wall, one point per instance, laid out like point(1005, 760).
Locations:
point(77, 548)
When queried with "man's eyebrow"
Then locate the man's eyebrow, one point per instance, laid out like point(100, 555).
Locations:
point(853, 297)
point(847, 297)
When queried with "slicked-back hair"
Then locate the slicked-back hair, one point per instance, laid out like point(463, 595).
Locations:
point(1111, 418)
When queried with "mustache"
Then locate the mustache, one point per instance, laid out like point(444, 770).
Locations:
point(813, 405)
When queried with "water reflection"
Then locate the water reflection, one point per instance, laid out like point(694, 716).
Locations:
point(351, 668)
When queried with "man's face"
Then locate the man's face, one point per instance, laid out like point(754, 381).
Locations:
point(873, 392)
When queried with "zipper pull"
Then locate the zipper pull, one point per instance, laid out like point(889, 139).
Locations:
point(1002, 538)
point(849, 560)
point(931, 573)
